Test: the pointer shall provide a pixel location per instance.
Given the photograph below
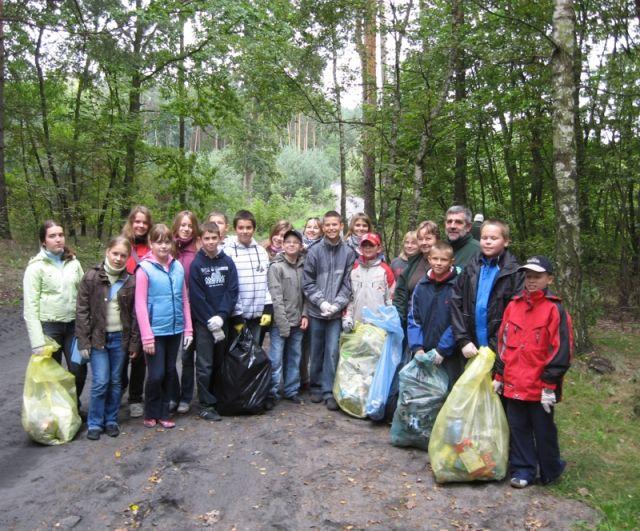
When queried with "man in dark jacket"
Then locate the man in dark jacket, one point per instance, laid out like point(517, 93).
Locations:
point(458, 229)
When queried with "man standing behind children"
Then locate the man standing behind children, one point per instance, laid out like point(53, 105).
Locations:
point(213, 291)
point(328, 289)
point(290, 321)
point(535, 343)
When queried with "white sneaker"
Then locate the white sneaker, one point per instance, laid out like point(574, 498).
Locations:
point(183, 407)
point(519, 483)
point(136, 410)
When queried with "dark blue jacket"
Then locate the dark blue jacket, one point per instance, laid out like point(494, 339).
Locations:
point(213, 286)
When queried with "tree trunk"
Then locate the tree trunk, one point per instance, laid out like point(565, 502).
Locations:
point(460, 84)
point(341, 140)
point(569, 271)
point(181, 121)
point(5, 229)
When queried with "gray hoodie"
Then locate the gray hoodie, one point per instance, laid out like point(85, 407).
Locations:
point(285, 286)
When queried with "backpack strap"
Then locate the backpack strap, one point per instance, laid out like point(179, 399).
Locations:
point(115, 287)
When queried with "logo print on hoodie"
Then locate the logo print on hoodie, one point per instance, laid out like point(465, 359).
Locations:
point(213, 276)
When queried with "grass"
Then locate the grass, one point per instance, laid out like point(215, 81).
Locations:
point(599, 432)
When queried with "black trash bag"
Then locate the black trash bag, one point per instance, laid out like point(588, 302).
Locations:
point(243, 381)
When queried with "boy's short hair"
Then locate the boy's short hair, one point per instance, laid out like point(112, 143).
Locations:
point(502, 225)
point(218, 213)
point(443, 247)
point(331, 214)
point(209, 226)
point(244, 215)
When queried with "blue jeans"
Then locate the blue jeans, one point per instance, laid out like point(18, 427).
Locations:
point(325, 349)
point(285, 352)
point(106, 382)
point(161, 372)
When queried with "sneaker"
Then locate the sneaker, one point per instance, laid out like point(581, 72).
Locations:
point(331, 404)
point(269, 404)
point(295, 399)
point(112, 430)
point(519, 483)
point(316, 398)
point(173, 405)
point(183, 407)
point(166, 423)
point(150, 423)
point(94, 434)
point(209, 414)
point(136, 410)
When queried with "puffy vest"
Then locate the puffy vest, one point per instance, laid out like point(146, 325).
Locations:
point(164, 297)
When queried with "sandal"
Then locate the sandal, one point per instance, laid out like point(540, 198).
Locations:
point(167, 423)
point(150, 423)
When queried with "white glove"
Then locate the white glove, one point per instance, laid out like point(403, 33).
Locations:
point(347, 324)
point(85, 353)
point(215, 323)
point(218, 335)
point(334, 309)
point(37, 351)
point(548, 399)
point(325, 309)
point(497, 386)
point(469, 350)
point(186, 342)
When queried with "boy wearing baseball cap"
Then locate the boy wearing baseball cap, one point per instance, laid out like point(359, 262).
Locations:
point(372, 281)
point(535, 345)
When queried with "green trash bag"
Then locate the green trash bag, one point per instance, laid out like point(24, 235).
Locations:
point(423, 390)
point(49, 402)
point(470, 439)
point(359, 354)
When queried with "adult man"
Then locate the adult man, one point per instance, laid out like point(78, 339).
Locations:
point(458, 230)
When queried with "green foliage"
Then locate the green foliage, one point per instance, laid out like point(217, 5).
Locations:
point(310, 169)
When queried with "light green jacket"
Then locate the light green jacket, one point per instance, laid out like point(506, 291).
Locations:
point(49, 294)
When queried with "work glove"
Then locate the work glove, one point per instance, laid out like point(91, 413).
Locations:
point(37, 351)
point(325, 309)
point(347, 324)
point(469, 350)
point(497, 386)
point(85, 353)
point(334, 308)
point(434, 357)
point(265, 320)
point(548, 399)
point(238, 327)
point(186, 342)
point(215, 323)
point(218, 335)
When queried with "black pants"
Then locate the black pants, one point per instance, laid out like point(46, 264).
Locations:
point(534, 442)
point(135, 383)
point(161, 372)
point(62, 333)
point(209, 358)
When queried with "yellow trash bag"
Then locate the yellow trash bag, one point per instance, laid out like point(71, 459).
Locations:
point(470, 438)
point(359, 354)
point(49, 402)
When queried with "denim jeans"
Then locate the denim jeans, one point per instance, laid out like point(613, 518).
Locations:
point(161, 370)
point(284, 354)
point(325, 348)
point(106, 382)
point(62, 333)
point(210, 355)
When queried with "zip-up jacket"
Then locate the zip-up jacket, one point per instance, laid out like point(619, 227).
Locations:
point(285, 286)
point(91, 310)
point(161, 303)
point(138, 252)
point(49, 294)
point(185, 256)
point(464, 249)
point(371, 286)
point(508, 282)
point(404, 288)
point(535, 346)
point(252, 263)
point(326, 276)
point(213, 287)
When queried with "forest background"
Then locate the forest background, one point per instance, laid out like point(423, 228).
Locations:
point(225, 104)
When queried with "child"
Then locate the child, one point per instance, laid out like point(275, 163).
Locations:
point(251, 260)
point(429, 322)
point(312, 233)
point(484, 289)
point(163, 314)
point(328, 289)
point(273, 245)
point(136, 230)
point(185, 246)
point(371, 282)
point(220, 219)
point(359, 225)
point(213, 290)
point(410, 247)
point(535, 344)
point(290, 320)
point(106, 330)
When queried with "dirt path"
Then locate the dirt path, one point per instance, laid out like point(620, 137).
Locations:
point(296, 467)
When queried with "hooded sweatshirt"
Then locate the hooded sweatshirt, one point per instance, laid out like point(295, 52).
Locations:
point(372, 284)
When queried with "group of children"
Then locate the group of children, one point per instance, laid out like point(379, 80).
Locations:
point(160, 292)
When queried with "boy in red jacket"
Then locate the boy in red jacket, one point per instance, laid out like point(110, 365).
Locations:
point(535, 344)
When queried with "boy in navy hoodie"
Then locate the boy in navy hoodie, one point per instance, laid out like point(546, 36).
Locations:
point(213, 293)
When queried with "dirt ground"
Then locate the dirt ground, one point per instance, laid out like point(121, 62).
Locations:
point(296, 467)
